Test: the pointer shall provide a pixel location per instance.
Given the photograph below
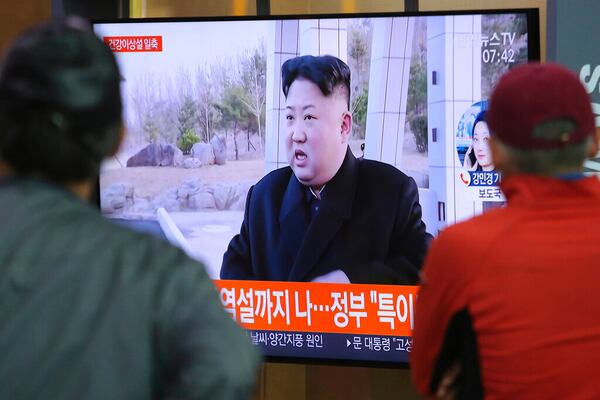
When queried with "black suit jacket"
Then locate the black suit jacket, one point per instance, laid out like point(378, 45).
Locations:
point(368, 225)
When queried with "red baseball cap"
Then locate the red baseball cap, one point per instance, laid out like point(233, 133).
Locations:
point(534, 93)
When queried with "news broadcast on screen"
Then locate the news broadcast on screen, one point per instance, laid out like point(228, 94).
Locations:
point(206, 119)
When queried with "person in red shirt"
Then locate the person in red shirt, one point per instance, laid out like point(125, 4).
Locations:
point(508, 306)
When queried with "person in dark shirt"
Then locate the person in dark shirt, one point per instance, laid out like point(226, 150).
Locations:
point(89, 309)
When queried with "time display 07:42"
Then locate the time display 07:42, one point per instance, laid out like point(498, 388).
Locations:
point(498, 48)
point(491, 56)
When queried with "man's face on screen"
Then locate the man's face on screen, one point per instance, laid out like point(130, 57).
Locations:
point(317, 130)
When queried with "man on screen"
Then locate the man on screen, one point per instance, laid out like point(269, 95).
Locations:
point(328, 217)
point(508, 307)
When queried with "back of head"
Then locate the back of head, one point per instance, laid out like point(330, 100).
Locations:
point(542, 116)
point(327, 72)
point(60, 103)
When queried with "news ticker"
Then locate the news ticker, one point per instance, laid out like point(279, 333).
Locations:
point(352, 321)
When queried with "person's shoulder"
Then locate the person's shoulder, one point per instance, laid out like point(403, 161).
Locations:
point(74, 229)
point(93, 249)
point(457, 250)
point(385, 174)
point(107, 242)
point(127, 242)
point(274, 180)
point(279, 174)
point(480, 231)
point(141, 258)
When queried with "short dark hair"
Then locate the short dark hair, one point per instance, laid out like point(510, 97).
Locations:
point(327, 72)
point(479, 118)
point(551, 161)
point(60, 102)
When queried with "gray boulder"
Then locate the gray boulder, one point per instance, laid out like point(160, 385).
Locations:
point(203, 201)
point(116, 198)
point(223, 196)
point(231, 196)
point(238, 203)
point(156, 155)
point(142, 208)
point(219, 146)
point(203, 152)
point(177, 156)
point(169, 200)
point(191, 163)
point(190, 187)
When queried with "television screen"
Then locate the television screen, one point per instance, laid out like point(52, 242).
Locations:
point(206, 119)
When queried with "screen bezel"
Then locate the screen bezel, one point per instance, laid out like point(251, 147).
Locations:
point(533, 23)
point(533, 55)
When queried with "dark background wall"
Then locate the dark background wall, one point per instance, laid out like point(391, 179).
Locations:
point(92, 9)
point(573, 32)
point(15, 17)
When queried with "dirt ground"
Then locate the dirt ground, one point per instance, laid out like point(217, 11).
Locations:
point(411, 158)
point(149, 181)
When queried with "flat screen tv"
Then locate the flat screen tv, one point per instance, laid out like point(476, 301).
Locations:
point(205, 120)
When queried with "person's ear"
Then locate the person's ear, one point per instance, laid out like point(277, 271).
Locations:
point(5, 169)
point(346, 127)
point(594, 144)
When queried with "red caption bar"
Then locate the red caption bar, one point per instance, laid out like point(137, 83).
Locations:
point(123, 44)
point(320, 307)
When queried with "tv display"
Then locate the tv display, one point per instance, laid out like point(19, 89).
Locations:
point(205, 119)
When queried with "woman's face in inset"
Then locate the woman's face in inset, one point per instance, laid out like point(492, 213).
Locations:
point(481, 148)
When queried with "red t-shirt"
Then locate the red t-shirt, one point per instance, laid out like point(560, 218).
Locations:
point(529, 277)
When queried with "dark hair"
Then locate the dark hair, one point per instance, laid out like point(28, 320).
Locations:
point(60, 102)
point(327, 72)
point(549, 161)
point(480, 117)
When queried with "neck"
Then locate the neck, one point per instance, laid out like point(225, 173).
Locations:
point(556, 173)
point(5, 169)
point(316, 190)
point(81, 189)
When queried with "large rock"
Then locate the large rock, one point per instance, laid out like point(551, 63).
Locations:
point(239, 205)
point(142, 208)
point(223, 196)
point(177, 156)
point(156, 155)
point(116, 198)
point(219, 146)
point(203, 152)
point(203, 199)
point(190, 187)
point(191, 163)
point(168, 199)
point(231, 196)
point(241, 193)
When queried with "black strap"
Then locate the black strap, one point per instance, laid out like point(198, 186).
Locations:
point(460, 345)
